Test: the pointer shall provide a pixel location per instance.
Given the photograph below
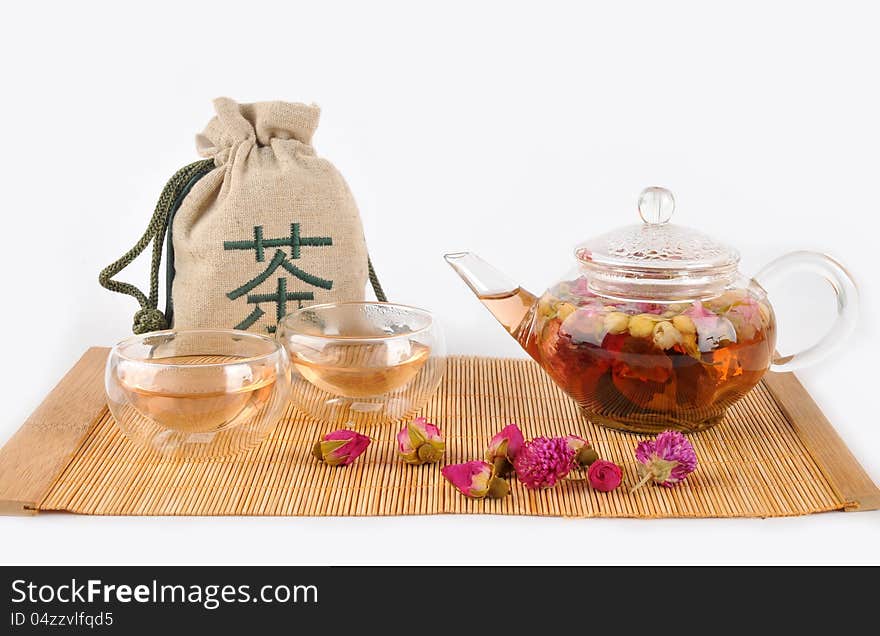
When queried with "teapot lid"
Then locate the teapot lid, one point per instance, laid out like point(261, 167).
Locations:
point(656, 258)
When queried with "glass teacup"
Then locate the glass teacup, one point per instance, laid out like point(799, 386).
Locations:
point(199, 393)
point(362, 363)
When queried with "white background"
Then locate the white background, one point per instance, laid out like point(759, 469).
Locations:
point(513, 130)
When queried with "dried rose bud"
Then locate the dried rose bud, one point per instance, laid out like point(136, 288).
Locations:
point(666, 460)
point(503, 449)
point(604, 476)
point(475, 479)
point(340, 448)
point(585, 454)
point(420, 442)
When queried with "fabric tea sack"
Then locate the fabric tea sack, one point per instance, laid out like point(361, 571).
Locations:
point(259, 228)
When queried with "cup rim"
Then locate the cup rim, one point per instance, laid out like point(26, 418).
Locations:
point(427, 315)
point(116, 351)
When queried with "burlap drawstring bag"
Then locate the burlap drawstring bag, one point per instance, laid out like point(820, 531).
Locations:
point(261, 227)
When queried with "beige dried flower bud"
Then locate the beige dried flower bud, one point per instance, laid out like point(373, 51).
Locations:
point(726, 300)
point(564, 310)
point(689, 342)
point(641, 326)
point(546, 307)
point(616, 322)
point(684, 324)
point(666, 335)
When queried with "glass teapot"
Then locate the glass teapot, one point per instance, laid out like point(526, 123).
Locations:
point(655, 327)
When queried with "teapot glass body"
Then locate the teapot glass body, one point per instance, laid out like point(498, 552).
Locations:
point(651, 365)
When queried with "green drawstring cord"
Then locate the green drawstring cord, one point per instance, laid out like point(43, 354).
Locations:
point(374, 281)
point(149, 317)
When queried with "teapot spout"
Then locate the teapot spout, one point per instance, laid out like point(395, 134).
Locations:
point(511, 305)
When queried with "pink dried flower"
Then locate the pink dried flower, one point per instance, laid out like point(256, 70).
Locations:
point(650, 308)
point(698, 311)
point(666, 460)
point(543, 461)
point(506, 443)
point(420, 442)
point(604, 475)
point(340, 448)
point(745, 314)
point(581, 288)
point(503, 449)
point(586, 324)
point(475, 479)
point(712, 330)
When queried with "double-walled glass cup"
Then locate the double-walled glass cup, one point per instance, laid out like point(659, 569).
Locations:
point(362, 363)
point(199, 393)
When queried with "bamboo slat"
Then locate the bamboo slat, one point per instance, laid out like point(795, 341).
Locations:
point(774, 455)
point(44, 445)
point(832, 456)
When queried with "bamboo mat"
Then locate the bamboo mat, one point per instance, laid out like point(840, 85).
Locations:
point(759, 463)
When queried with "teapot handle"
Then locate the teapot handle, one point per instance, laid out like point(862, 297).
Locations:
point(845, 291)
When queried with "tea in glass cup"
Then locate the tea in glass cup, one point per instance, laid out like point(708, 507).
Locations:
point(197, 393)
point(356, 364)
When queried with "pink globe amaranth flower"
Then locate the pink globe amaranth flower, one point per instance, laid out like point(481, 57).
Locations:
point(543, 461)
point(340, 448)
point(604, 475)
point(420, 442)
point(470, 479)
point(666, 460)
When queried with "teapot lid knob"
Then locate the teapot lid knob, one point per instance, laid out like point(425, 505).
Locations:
point(656, 205)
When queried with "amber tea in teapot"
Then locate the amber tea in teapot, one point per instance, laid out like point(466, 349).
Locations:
point(655, 327)
point(632, 361)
